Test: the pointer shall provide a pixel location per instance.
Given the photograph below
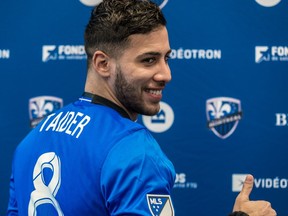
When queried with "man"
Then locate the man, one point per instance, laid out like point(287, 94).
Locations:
point(91, 157)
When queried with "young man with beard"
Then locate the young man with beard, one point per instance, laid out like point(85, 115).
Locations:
point(91, 157)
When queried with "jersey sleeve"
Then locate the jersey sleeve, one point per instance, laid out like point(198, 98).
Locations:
point(12, 209)
point(137, 178)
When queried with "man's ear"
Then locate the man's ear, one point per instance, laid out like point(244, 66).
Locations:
point(101, 63)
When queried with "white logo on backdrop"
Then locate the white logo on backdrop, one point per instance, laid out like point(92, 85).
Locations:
point(237, 182)
point(91, 3)
point(275, 183)
point(46, 52)
point(268, 3)
point(4, 53)
point(271, 53)
point(182, 182)
point(162, 3)
point(205, 54)
point(63, 52)
point(162, 121)
point(42, 106)
point(223, 115)
point(259, 53)
point(281, 119)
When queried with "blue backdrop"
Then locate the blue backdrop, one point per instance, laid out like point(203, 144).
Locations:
point(223, 115)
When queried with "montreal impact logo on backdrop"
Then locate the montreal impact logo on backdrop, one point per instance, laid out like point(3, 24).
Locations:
point(223, 115)
point(42, 106)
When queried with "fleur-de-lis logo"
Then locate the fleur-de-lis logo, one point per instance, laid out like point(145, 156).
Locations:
point(223, 115)
point(40, 107)
point(217, 109)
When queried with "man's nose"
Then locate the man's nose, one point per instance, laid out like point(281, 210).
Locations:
point(164, 73)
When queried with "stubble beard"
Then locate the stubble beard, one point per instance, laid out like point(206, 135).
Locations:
point(130, 97)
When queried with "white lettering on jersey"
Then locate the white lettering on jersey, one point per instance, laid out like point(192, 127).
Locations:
point(70, 122)
point(45, 194)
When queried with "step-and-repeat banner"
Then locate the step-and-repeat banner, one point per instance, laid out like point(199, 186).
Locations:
point(224, 114)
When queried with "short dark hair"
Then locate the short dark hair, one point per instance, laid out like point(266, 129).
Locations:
point(113, 21)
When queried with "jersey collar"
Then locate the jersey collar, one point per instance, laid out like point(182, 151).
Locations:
point(96, 99)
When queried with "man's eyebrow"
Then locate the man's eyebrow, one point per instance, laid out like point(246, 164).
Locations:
point(153, 54)
point(169, 52)
point(149, 54)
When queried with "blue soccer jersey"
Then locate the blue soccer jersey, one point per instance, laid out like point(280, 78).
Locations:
point(88, 159)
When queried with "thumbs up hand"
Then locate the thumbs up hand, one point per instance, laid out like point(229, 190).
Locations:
point(252, 208)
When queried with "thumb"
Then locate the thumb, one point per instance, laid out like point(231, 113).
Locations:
point(247, 188)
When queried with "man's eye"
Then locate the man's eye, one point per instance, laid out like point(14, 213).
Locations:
point(149, 60)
